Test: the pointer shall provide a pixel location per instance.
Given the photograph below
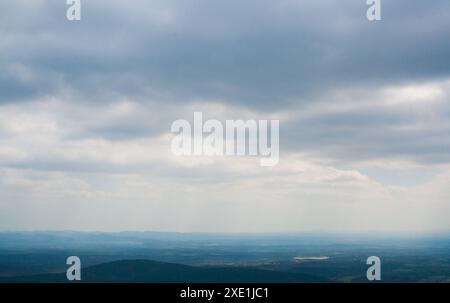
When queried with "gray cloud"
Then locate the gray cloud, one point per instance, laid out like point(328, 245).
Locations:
point(86, 108)
point(255, 53)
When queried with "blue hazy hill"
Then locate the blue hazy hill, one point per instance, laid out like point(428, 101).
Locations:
point(146, 271)
point(154, 256)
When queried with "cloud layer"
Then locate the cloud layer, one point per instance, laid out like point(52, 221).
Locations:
point(86, 109)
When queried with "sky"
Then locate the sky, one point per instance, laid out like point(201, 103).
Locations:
point(86, 109)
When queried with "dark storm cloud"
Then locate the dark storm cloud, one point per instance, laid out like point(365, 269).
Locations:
point(264, 55)
point(261, 54)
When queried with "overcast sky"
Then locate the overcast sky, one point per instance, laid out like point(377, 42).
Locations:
point(86, 110)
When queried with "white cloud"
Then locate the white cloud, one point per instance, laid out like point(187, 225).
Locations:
point(85, 115)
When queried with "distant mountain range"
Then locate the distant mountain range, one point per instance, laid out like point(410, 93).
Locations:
point(145, 271)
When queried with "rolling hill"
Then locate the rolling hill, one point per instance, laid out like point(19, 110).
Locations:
point(146, 271)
